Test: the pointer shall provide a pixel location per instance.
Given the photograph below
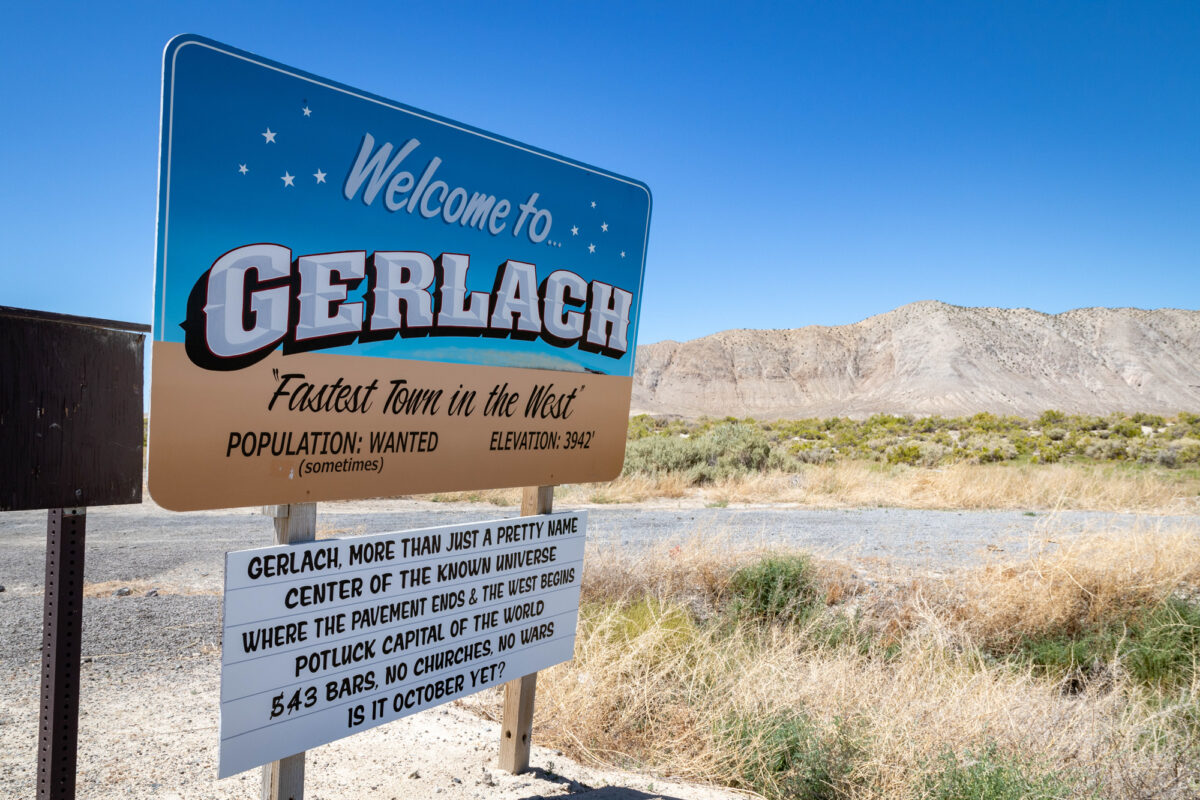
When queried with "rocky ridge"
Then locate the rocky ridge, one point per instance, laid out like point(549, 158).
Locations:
point(933, 358)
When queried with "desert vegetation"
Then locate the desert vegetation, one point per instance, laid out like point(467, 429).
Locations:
point(710, 449)
point(1137, 462)
point(1070, 673)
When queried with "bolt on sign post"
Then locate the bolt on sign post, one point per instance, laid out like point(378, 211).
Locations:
point(355, 298)
point(70, 437)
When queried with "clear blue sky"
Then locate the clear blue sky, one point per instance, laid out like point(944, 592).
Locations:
point(812, 163)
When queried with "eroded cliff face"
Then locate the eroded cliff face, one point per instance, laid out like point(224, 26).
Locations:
point(933, 358)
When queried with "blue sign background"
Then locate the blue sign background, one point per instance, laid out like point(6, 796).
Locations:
point(255, 151)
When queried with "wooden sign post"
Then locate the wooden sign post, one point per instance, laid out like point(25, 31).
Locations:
point(516, 726)
point(294, 523)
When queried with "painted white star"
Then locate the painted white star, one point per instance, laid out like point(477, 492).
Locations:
point(242, 168)
point(574, 230)
point(593, 204)
point(622, 254)
point(591, 248)
point(287, 178)
point(307, 111)
point(604, 227)
point(320, 176)
point(269, 136)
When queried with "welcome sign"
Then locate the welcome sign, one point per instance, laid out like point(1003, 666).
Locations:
point(355, 298)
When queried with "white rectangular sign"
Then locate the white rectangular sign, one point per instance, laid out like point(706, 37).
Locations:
point(328, 638)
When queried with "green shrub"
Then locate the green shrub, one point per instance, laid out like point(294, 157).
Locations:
point(1163, 650)
point(673, 624)
point(1158, 647)
point(1126, 429)
point(1108, 450)
point(990, 775)
point(782, 460)
point(1189, 424)
point(1051, 417)
point(908, 453)
point(1188, 454)
point(641, 426)
point(1085, 422)
point(934, 453)
point(989, 448)
point(1168, 457)
point(985, 421)
point(777, 588)
point(886, 422)
point(786, 756)
point(656, 455)
point(814, 455)
point(737, 446)
point(702, 474)
point(1052, 453)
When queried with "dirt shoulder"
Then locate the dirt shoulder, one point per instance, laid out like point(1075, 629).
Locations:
point(149, 723)
point(149, 716)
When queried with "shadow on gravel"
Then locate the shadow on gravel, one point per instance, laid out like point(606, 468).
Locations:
point(580, 790)
point(571, 787)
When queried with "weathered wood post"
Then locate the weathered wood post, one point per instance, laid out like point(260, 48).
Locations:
point(295, 523)
point(516, 726)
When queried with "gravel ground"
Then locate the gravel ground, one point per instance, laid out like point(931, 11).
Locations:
point(148, 721)
point(146, 543)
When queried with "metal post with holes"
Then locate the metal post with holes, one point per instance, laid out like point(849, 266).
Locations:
point(516, 726)
point(62, 628)
point(70, 437)
point(295, 523)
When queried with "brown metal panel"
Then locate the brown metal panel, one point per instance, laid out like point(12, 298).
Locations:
point(70, 413)
point(62, 628)
point(71, 319)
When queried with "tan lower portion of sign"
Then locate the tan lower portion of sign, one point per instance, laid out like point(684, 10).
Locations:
point(307, 427)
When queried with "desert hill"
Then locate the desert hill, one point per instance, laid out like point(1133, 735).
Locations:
point(933, 358)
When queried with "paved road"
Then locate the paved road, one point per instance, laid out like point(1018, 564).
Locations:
point(145, 543)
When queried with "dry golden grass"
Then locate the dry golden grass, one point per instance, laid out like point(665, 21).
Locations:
point(660, 699)
point(972, 486)
point(695, 568)
point(496, 497)
point(659, 673)
point(1074, 583)
point(625, 489)
point(859, 483)
point(632, 489)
